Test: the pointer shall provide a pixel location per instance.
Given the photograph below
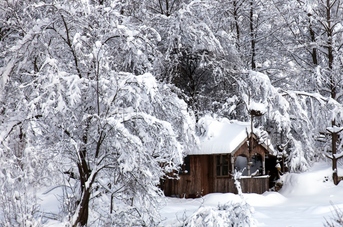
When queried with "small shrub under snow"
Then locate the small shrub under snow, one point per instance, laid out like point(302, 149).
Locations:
point(229, 214)
point(233, 214)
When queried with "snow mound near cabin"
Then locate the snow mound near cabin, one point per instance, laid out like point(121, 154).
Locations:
point(318, 180)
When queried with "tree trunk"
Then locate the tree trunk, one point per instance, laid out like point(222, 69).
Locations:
point(235, 15)
point(84, 172)
point(253, 42)
point(334, 159)
point(82, 216)
point(329, 31)
point(313, 39)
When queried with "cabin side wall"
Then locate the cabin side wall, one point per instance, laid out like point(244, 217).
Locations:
point(198, 182)
point(224, 185)
point(255, 184)
point(249, 185)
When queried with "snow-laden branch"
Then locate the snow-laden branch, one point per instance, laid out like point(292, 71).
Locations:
point(4, 133)
point(329, 156)
point(321, 99)
point(334, 129)
point(339, 155)
point(335, 156)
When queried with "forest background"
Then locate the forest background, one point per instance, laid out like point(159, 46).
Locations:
point(101, 98)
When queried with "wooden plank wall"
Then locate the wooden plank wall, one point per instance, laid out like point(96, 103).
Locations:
point(201, 181)
point(254, 185)
point(224, 185)
point(195, 184)
point(249, 185)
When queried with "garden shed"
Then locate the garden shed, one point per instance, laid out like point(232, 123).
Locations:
point(225, 146)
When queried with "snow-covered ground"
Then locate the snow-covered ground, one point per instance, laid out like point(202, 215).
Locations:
point(304, 201)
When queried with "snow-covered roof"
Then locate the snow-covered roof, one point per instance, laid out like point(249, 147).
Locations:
point(221, 136)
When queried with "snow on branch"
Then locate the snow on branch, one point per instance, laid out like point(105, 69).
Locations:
point(338, 156)
point(321, 99)
point(334, 129)
point(334, 156)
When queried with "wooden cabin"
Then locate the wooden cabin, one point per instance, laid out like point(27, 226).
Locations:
point(226, 146)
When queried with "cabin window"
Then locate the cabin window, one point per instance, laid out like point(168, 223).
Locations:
point(241, 164)
point(185, 168)
point(256, 167)
point(222, 164)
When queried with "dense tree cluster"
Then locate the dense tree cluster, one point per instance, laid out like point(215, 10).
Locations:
point(100, 98)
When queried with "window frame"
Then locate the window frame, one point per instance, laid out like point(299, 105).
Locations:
point(222, 165)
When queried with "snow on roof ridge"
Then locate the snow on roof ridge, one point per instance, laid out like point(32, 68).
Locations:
point(221, 135)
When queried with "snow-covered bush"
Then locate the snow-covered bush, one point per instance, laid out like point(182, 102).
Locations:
point(235, 214)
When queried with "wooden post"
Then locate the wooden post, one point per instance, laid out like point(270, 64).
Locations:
point(232, 164)
point(264, 165)
point(283, 155)
point(334, 159)
point(250, 144)
point(251, 133)
point(334, 137)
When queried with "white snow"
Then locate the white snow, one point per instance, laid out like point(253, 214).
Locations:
point(220, 136)
point(149, 81)
point(258, 107)
point(98, 44)
point(5, 72)
point(223, 136)
point(305, 200)
point(334, 129)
